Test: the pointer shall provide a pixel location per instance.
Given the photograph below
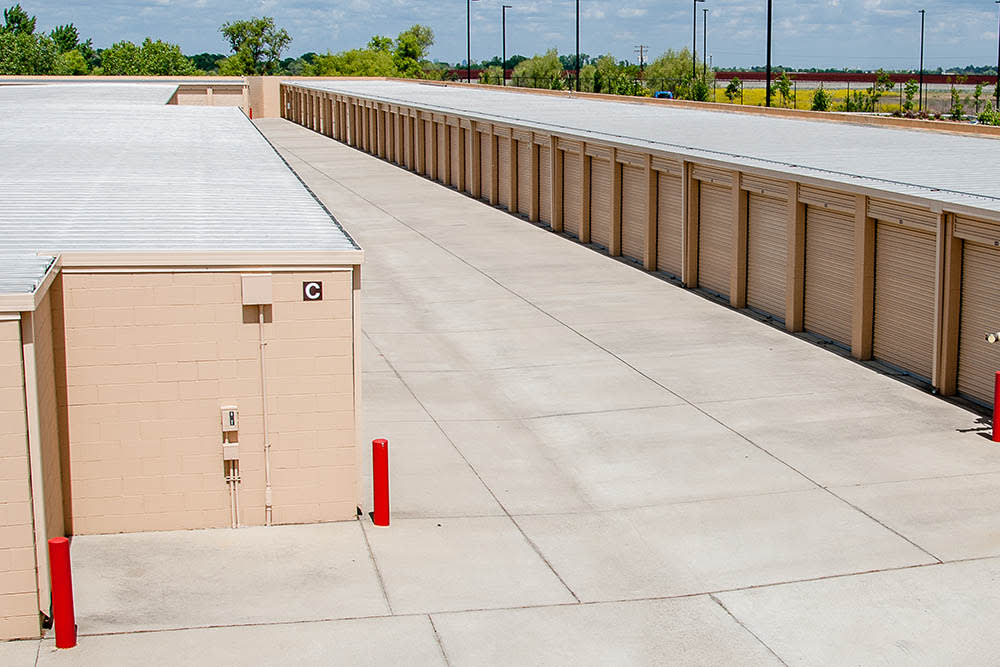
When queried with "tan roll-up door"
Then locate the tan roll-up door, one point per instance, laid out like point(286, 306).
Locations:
point(633, 212)
point(829, 288)
point(524, 185)
point(544, 185)
point(600, 202)
point(979, 360)
point(715, 237)
point(442, 142)
point(428, 147)
point(669, 222)
point(767, 254)
point(572, 192)
point(455, 150)
point(904, 298)
point(485, 166)
point(503, 160)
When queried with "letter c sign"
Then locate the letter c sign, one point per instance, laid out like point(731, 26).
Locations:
point(312, 291)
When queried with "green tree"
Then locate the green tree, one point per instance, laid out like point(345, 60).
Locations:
point(989, 115)
point(356, 62)
point(978, 96)
point(65, 37)
point(17, 21)
point(153, 58)
point(71, 63)
point(541, 71)
point(783, 86)
point(671, 71)
point(491, 75)
point(734, 89)
point(910, 89)
point(380, 43)
point(957, 110)
point(411, 49)
point(257, 45)
point(822, 100)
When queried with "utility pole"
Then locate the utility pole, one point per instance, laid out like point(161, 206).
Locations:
point(577, 45)
point(920, 103)
point(768, 94)
point(643, 50)
point(468, 39)
point(704, 44)
point(503, 64)
point(997, 90)
point(694, 40)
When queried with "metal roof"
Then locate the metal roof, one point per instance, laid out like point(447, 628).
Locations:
point(126, 177)
point(86, 94)
point(941, 167)
point(20, 273)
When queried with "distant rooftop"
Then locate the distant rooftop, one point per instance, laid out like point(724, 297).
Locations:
point(940, 167)
point(132, 174)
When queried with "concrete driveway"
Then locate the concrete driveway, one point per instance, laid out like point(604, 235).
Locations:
point(589, 466)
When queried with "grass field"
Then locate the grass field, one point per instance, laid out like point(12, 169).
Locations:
point(938, 101)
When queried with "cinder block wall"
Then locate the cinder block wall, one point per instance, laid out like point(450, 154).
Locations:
point(18, 585)
point(149, 359)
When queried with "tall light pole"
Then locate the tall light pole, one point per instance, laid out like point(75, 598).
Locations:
point(704, 44)
point(503, 65)
point(767, 96)
point(577, 45)
point(920, 102)
point(694, 40)
point(468, 39)
point(997, 91)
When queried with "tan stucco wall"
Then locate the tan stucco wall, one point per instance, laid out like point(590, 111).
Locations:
point(18, 592)
point(149, 360)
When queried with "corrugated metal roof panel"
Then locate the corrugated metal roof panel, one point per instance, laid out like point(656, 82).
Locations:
point(935, 166)
point(148, 177)
point(22, 272)
point(86, 94)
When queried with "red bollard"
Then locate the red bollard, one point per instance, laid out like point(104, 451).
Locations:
point(380, 481)
point(996, 408)
point(251, 113)
point(63, 616)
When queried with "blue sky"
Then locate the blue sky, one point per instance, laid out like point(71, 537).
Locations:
point(850, 33)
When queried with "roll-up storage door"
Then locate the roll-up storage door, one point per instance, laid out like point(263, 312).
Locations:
point(600, 202)
point(669, 221)
point(442, 144)
point(572, 192)
point(829, 288)
point(715, 237)
point(979, 360)
point(633, 212)
point(455, 151)
point(544, 185)
point(524, 185)
point(904, 298)
point(428, 147)
point(767, 254)
point(470, 136)
point(485, 166)
point(503, 158)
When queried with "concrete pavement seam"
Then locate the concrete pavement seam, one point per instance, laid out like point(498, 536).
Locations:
point(378, 570)
point(749, 631)
point(437, 638)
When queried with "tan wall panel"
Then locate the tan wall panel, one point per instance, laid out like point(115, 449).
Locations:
point(715, 237)
point(829, 280)
point(524, 184)
point(19, 594)
point(428, 147)
point(150, 358)
point(442, 152)
point(486, 167)
point(455, 149)
point(572, 193)
point(633, 212)
point(503, 160)
point(669, 221)
point(544, 184)
point(600, 202)
point(767, 254)
point(979, 360)
point(904, 298)
point(48, 414)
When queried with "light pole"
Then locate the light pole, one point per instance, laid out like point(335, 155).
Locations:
point(694, 40)
point(704, 44)
point(997, 91)
point(577, 45)
point(468, 39)
point(920, 102)
point(503, 64)
point(767, 96)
